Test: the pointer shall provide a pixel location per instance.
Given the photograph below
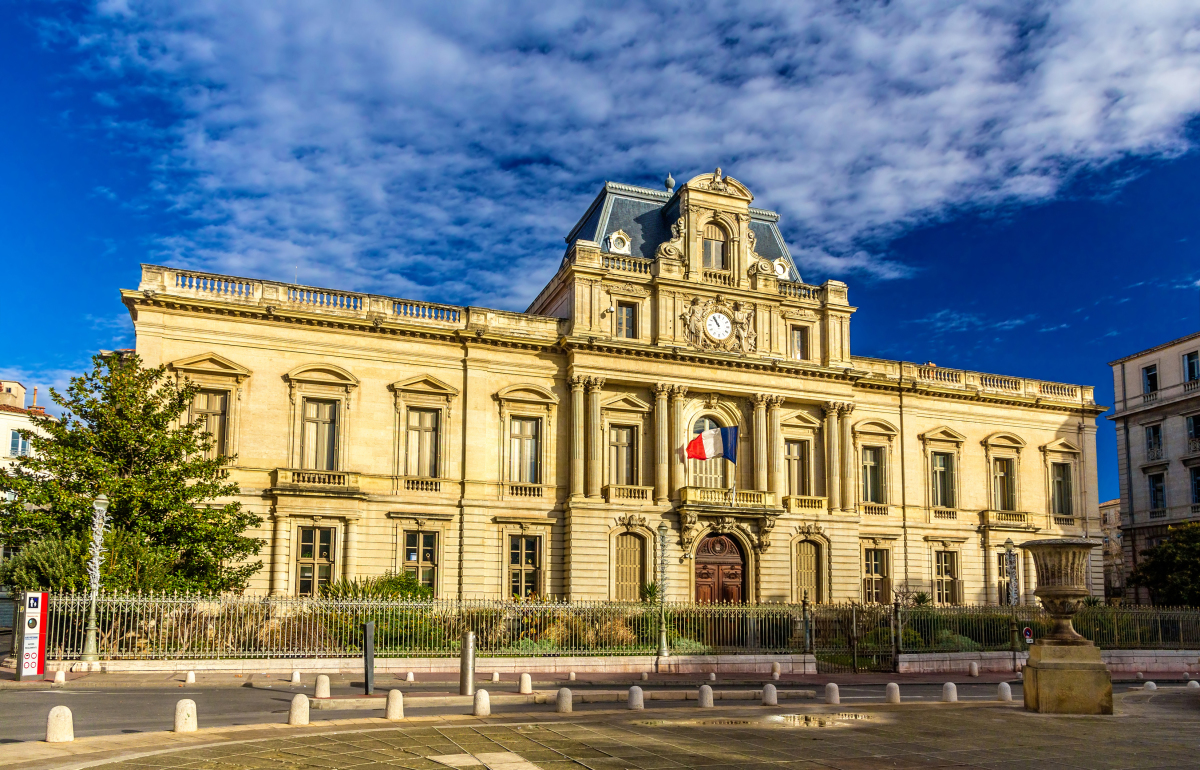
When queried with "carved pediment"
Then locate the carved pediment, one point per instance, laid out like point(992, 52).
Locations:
point(424, 385)
point(626, 403)
point(210, 365)
point(322, 374)
point(800, 419)
point(943, 433)
point(1060, 445)
point(527, 393)
point(875, 427)
point(719, 183)
point(1004, 440)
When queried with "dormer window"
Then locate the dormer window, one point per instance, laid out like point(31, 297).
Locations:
point(714, 248)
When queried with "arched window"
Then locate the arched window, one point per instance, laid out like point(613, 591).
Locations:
point(631, 567)
point(808, 570)
point(715, 257)
point(708, 473)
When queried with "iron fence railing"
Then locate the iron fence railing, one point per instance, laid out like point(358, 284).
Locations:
point(850, 636)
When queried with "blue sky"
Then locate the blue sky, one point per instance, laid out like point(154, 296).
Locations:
point(1010, 187)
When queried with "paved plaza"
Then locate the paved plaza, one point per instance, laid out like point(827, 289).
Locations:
point(1150, 730)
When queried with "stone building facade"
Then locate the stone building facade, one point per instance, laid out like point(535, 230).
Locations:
point(1157, 417)
point(496, 453)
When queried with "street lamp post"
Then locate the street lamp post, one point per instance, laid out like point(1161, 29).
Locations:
point(99, 524)
point(1010, 565)
point(663, 651)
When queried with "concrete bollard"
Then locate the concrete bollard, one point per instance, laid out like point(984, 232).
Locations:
point(776, 670)
point(483, 705)
point(974, 669)
point(410, 678)
point(1150, 686)
point(645, 676)
point(1193, 685)
point(59, 726)
point(395, 706)
point(770, 696)
point(1004, 692)
point(495, 676)
point(891, 693)
point(706, 697)
point(298, 713)
point(831, 693)
point(190, 678)
point(775, 677)
point(322, 689)
point(562, 704)
point(185, 716)
point(949, 693)
point(60, 677)
point(295, 677)
point(526, 686)
point(636, 702)
point(571, 676)
point(1139, 675)
point(712, 677)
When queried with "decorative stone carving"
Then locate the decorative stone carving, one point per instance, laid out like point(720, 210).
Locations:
point(688, 524)
point(744, 338)
point(626, 288)
point(631, 521)
point(1061, 582)
point(796, 315)
point(810, 530)
point(717, 183)
point(743, 327)
point(673, 249)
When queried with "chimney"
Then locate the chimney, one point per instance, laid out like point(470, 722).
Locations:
point(34, 405)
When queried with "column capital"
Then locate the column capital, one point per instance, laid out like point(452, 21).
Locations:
point(662, 389)
point(594, 383)
point(760, 400)
point(846, 407)
point(577, 382)
point(774, 401)
point(678, 392)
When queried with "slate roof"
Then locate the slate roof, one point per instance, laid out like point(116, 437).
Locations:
point(646, 216)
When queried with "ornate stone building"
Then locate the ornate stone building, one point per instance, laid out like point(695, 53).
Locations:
point(496, 453)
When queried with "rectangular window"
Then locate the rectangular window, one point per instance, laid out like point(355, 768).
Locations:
point(622, 455)
point(1004, 484)
point(1158, 491)
point(872, 475)
point(1195, 485)
point(524, 459)
point(423, 444)
point(796, 455)
point(420, 557)
point(314, 562)
point(877, 585)
point(800, 343)
point(1191, 366)
point(524, 563)
point(1150, 379)
point(945, 578)
point(943, 479)
point(319, 442)
point(714, 254)
point(17, 446)
point(1060, 492)
point(1153, 442)
point(1193, 427)
point(627, 320)
point(211, 409)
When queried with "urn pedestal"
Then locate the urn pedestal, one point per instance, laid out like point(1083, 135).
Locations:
point(1065, 674)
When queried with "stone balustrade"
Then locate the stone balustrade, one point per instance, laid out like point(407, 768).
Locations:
point(626, 494)
point(719, 278)
point(727, 498)
point(299, 477)
point(421, 484)
point(628, 264)
point(804, 504)
point(874, 509)
point(937, 377)
point(793, 290)
point(1018, 519)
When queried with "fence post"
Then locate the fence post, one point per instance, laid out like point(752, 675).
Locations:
point(897, 631)
point(854, 635)
point(808, 637)
point(369, 657)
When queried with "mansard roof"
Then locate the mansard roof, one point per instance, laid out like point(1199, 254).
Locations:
point(645, 215)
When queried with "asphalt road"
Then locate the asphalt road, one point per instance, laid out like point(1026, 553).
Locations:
point(108, 712)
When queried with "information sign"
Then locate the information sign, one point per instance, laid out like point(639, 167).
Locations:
point(33, 636)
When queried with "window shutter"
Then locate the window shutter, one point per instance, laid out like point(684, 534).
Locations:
point(956, 592)
point(866, 590)
point(885, 591)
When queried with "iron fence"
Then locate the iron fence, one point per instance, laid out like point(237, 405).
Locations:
point(842, 637)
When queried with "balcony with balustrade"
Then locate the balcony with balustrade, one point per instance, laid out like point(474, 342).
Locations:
point(327, 483)
point(977, 384)
point(747, 499)
point(627, 494)
point(804, 504)
point(993, 519)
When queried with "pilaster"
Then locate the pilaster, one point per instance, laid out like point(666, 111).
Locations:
point(848, 459)
point(595, 436)
point(760, 440)
point(279, 556)
point(833, 457)
point(662, 443)
point(578, 434)
point(678, 439)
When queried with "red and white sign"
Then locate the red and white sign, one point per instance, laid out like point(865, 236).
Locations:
point(33, 644)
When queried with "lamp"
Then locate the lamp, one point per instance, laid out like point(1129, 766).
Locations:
point(663, 650)
point(99, 524)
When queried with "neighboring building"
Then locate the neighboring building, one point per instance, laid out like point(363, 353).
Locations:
point(14, 417)
point(1114, 557)
point(495, 453)
point(1157, 417)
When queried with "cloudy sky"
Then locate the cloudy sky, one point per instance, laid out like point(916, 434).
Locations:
point(1007, 186)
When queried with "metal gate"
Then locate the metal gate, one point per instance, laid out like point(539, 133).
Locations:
point(853, 639)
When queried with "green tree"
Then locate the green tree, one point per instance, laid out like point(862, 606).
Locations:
point(1171, 570)
point(125, 433)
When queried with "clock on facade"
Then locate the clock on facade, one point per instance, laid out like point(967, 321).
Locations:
point(718, 326)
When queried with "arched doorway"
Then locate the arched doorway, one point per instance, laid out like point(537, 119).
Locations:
point(720, 570)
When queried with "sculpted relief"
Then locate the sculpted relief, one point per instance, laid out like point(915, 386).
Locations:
point(714, 325)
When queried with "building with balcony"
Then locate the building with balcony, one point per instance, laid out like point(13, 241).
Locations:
point(1114, 556)
point(494, 453)
point(1157, 418)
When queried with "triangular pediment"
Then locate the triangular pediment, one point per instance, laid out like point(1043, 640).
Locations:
point(943, 433)
point(800, 419)
point(627, 403)
point(424, 384)
point(528, 393)
point(1059, 445)
point(210, 364)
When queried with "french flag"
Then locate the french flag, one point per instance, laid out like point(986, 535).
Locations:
point(716, 442)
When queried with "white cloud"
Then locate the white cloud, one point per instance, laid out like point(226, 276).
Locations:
point(443, 149)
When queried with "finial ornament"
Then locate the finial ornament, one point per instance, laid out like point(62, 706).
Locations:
point(670, 182)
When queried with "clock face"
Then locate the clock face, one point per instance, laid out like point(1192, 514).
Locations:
point(718, 326)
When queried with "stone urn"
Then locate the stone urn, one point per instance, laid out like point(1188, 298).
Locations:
point(1065, 673)
point(1061, 565)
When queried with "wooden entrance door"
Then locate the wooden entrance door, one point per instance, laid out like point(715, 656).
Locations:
point(720, 570)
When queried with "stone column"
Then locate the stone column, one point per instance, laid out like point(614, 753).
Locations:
point(760, 440)
point(678, 439)
point(279, 556)
point(595, 437)
point(578, 435)
point(848, 459)
point(775, 449)
point(662, 443)
point(350, 562)
point(833, 473)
